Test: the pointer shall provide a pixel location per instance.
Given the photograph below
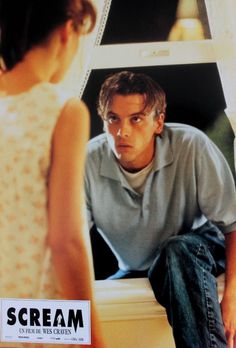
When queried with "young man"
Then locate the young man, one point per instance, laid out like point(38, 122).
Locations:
point(163, 198)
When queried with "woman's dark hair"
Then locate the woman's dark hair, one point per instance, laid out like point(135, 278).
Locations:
point(125, 83)
point(27, 23)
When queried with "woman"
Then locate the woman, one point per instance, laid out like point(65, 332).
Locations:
point(43, 135)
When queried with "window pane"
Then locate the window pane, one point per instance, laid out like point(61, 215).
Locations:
point(132, 21)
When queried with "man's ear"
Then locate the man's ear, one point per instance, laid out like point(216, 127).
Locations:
point(160, 123)
point(65, 31)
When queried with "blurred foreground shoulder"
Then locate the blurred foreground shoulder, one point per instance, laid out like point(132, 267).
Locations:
point(73, 122)
point(75, 111)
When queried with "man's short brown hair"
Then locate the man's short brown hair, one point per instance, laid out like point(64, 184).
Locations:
point(125, 83)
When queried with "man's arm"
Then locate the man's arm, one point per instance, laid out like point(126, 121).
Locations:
point(228, 304)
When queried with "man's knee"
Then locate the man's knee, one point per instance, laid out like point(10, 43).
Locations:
point(182, 253)
point(177, 253)
point(176, 262)
point(177, 244)
point(179, 247)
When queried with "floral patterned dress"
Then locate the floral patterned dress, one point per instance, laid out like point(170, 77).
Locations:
point(27, 122)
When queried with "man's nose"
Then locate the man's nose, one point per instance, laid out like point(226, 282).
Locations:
point(124, 130)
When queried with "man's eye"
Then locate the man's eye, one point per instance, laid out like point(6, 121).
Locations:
point(136, 119)
point(112, 119)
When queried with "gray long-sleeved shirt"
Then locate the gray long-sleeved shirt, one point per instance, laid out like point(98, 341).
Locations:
point(190, 184)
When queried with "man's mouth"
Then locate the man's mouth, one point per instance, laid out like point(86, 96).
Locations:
point(124, 145)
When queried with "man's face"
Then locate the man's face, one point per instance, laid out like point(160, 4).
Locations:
point(131, 130)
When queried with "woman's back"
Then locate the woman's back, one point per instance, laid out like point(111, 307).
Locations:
point(43, 137)
point(27, 122)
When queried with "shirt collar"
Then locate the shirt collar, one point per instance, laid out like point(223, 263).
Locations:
point(163, 152)
point(109, 167)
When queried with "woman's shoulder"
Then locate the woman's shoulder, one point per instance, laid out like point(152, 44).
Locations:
point(73, 119)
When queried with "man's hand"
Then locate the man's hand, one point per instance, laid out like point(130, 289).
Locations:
point(228, 308)
point(228, 304)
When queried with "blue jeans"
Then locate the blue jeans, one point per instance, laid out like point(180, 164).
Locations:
point(183, 278)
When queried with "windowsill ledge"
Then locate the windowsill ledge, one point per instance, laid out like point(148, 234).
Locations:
point(131, 299)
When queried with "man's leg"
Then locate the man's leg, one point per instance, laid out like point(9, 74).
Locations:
point(183, 280)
